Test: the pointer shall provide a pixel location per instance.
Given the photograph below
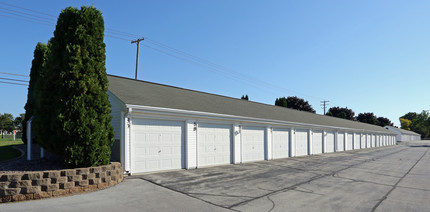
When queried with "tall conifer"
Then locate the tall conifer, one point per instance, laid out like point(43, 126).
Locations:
point(75, 92)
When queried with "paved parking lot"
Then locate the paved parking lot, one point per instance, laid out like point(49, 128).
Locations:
point(395, 178)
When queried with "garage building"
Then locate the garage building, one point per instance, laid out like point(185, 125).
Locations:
point(404, 135)
point(159, 127)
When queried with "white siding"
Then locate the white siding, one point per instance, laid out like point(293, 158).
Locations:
point(116, 107)
point(191, 144)
point(237, 150)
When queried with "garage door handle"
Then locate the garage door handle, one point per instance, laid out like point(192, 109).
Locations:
point(159, 151)
point(215, 148)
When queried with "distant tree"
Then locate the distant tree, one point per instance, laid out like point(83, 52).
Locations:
point(341, 112)
point(410, 116)
point(6, 123)
point(35, 71)
point(294, 102)
point(417, 122)
point(245, 97)
point(17, 122)
point(382, 121)
point(281, 101)
point(369, 118)
point(405, 124)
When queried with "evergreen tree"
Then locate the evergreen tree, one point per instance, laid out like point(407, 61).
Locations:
point(75, 91)
point(35, 71)
point(369, 118)
point(382, 121)
point(244, 97)
point(294, 102)
point(341, 112)
point(281, 101)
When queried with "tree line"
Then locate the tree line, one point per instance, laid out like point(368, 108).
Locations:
point(297, 103)
point(417, 122)
point(8, 123)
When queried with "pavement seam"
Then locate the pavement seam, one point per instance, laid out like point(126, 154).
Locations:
point(395, 185)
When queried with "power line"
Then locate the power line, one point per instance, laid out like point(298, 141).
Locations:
point(13, 83)
point(24, 13)
point(14, 74)
point(17, 80)
point(35, 11)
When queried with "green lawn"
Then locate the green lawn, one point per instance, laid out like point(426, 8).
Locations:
point(6, 150)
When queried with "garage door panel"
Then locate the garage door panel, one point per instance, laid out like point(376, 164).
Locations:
point(214, 144)
point(330, 142)
point(252, 143)
point(317, 142)
point(340, 141)
point(281, 142)
point(157, 145)
point(301, 142)
point(357, 141)
point(349, 142)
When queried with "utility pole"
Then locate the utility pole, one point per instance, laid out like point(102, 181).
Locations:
point(137, 54)
point(324, 104)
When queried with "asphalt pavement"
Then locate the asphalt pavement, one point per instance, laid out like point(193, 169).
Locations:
point(394, 178)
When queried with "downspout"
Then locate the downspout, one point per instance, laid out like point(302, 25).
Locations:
point(29, 138)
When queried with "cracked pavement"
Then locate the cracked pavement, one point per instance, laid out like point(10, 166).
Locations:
point(395, 178)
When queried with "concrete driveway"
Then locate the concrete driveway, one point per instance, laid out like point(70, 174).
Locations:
point(393, 178)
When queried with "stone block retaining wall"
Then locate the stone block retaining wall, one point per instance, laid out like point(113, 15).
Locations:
point(45, 184)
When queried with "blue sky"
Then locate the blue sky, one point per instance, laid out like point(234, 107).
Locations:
point(370, 56)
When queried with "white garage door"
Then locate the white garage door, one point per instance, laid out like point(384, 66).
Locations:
point(213, 144)
point(349, 141)
point(340, 141)
point(330, 142)
point(157, 145)
point(301, 142)
point(281, 142)
point(317, 140)
point(357, 141)
point(368, 141)
point(252, 144)
point(373, 141)
point(378, 140)
point(363, 141)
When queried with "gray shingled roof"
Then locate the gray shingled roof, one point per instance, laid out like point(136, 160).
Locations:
point(135, 92)
point(407, 132)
